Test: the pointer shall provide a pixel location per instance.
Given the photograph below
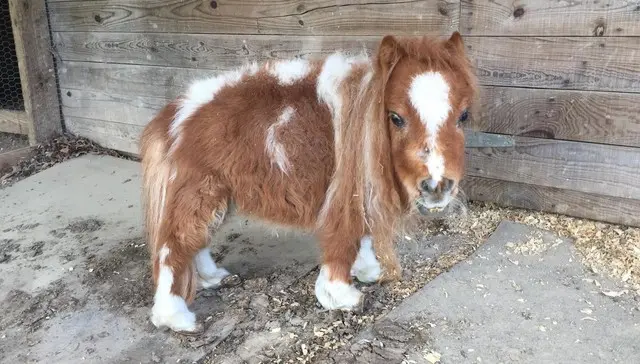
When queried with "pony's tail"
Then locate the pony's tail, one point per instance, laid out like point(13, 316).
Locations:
point(155, 179)
point(157, 168)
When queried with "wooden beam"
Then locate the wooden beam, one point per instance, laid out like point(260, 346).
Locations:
point(130, 94)
point(118, 136)
point(16, 122)
point(37, 75)
point(555, 18)
point(208, 51)
point(571, 203)
point(576, 63)
point(590, 168)
point(321, 17)
point(595, 117)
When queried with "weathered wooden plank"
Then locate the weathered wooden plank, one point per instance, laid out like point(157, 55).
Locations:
point(116, 91)
point(596, 117)
point(585, 63)
point(121, 137)
point(16, 122)
point(565, 63)
point(591, 168)
point(353, 17)
point(37, 75)
point(211, 51)
point(545, 17)
point(137, 110)
point(571, 203)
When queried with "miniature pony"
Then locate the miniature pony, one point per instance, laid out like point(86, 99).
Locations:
point(343, 146)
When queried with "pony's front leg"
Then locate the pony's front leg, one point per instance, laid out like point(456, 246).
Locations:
point(366, 268)
point(334, 288)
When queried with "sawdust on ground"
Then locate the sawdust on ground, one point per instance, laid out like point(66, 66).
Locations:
point(608, 248)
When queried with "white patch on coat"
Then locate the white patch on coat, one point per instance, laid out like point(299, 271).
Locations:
point(366, 268)
point(334, 295)
point(275, 149)
point(289, 71)
point(202, 92)
point(210, 274)
point(429, 95)
point(168, 309)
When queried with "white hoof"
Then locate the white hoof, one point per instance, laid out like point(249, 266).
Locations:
point(172, 312)
point(336, 295)
point(366, 268)
point(214, 280)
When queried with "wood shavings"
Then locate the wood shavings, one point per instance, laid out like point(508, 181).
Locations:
point(614, 293)
point(433, 357)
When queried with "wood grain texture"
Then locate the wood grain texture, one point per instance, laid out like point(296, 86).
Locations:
point(121, 137)
point(596, 117)
point(16, 122)
point(591, 168)
point(137, 110)
point(571, 203)
point(130, 93)
point(37, 74)
point(127, 80)
point(353, 17)
point(210, 51)
point(554, 18)
point(584, 63)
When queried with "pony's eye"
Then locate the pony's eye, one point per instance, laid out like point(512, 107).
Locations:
point(463, 117)
point(396, 119)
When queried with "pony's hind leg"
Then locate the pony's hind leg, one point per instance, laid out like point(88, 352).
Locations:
point(211, 275)
point(190, 201)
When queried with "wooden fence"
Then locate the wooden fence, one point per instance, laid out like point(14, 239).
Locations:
point(562, 78)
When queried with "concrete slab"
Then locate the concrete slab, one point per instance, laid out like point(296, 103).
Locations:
point(74, 277)
point(523, 297)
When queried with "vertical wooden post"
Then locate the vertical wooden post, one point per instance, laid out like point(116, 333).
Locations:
point(37, 74)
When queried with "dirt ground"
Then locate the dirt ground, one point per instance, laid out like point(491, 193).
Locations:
point(90, 276)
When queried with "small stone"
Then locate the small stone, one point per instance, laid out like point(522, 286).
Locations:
point(259, 302)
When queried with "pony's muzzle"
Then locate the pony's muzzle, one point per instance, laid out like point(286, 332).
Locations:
point(434, 187)
point(435, 195)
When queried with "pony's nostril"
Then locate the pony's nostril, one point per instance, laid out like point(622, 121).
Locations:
point(447, 185)
point(432, 186)
point(427, 185)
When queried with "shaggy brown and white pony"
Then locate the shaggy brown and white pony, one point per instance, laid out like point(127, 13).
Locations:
point(345, 147)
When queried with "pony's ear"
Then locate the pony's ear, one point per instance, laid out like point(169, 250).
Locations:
point(455, 42)
point(389, 52)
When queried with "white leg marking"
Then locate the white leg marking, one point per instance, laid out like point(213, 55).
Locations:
point(210, 274)
point(275, 150)
point(289, 71)
point(366, 268)
point(334, 295)
point(168, 309)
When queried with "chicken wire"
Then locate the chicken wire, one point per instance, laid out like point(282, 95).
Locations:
point(10, 88)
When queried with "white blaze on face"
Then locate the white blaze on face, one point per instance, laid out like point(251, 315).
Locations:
point(429, 95)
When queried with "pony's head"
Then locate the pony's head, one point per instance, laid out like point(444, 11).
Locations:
point(428, 87)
